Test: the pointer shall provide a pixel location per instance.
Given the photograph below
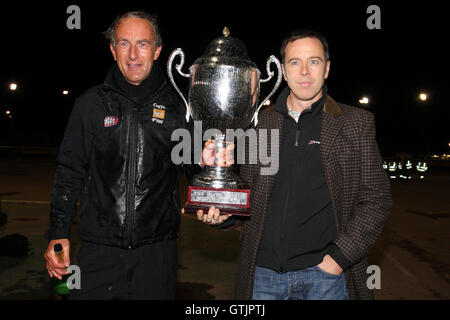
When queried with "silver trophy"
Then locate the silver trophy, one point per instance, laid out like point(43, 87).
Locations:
point(223, 94)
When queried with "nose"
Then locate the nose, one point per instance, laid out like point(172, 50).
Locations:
point(133, 53)
point(304, 69)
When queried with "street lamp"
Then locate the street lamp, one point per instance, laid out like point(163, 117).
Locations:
point(65, 92)
point(13, 86)
point(8, 114)
point(363, 100)
point(423, 96)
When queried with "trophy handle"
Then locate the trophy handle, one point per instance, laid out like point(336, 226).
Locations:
point(272, 59)
point(178, 67)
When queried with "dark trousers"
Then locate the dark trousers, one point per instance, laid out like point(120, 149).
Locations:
point(147, 272)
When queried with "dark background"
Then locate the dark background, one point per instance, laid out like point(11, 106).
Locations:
point(391, 66)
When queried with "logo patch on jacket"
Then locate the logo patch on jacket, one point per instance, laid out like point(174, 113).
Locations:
point(159, 112)
point(314, 142)
point(110, 121)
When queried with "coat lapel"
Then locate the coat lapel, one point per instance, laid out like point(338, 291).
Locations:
point(277, 123)
point(332, 122)
point(331, 125)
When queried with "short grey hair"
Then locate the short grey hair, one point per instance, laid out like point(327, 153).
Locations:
point(153, 19)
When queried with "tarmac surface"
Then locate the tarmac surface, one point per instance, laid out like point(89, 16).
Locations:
point(413, 252)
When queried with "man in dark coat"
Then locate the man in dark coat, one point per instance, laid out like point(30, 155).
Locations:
point(116, 154)
point(313, 222)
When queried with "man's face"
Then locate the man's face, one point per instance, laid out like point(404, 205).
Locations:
point(134, 49)
point(305, 69)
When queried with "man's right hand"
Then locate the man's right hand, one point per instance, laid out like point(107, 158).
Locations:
point(213, 217)
point(54, 267)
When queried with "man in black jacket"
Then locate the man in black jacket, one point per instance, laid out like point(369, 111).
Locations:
point(116, 153)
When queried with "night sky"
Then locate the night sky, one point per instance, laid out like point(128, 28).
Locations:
point(391, 65)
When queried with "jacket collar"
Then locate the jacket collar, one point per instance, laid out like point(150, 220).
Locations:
point(332, 123)
point(150, 86)
point(332, 108)
point(329, 106)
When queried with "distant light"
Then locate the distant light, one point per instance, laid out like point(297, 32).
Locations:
point(65, 92)
point(7, 112)
point(423, 96)
point(364, 100)
point(13, 86)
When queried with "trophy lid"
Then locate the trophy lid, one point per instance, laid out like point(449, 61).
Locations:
point(226, 50)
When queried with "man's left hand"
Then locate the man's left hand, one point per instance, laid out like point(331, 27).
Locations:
point(329, 265)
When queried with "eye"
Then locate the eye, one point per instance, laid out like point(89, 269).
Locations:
point(315, 61)
point(294, 63)
point(123, 44)
point(143, 45)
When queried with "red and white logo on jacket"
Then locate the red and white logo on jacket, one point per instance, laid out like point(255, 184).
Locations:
point(110, 121)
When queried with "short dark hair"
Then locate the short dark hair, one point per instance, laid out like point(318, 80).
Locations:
point(301, 34)
point(153, 19)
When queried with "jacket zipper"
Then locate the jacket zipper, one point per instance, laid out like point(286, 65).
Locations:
point(130, 204)
point(283, 266)
point(297, 137)
point(131, 210)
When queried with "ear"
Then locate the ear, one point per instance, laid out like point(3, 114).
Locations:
point(327, 69)
point(113, 51)
point(157, 53)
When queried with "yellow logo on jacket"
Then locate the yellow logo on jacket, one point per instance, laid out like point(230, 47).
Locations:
point(159, 112)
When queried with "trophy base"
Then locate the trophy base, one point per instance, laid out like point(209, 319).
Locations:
point(229, 201)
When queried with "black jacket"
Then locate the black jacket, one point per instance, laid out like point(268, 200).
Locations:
point(117, 154)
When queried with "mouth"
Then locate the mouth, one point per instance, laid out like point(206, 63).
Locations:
point(134, 65)
point(304, 83)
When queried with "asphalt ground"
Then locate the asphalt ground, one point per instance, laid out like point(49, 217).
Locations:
point(412, 254)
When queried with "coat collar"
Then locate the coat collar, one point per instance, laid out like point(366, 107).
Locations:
point(332, 108)
point(139, 94)
point(281, 105)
